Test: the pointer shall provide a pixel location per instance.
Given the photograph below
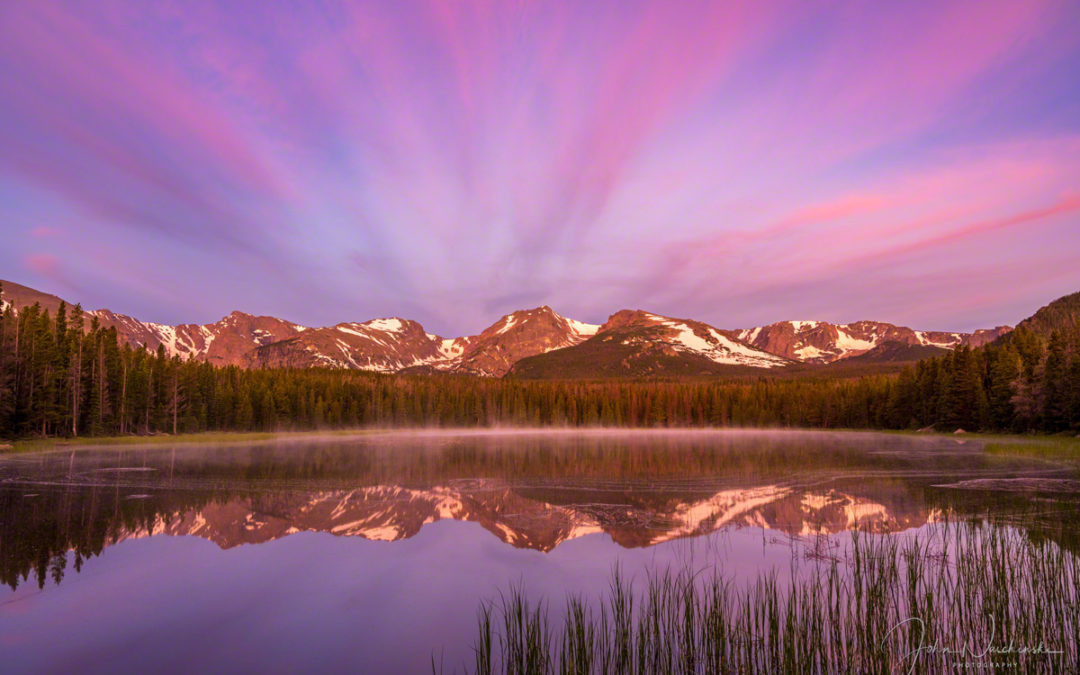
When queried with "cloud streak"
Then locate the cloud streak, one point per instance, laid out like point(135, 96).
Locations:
point(448, 160)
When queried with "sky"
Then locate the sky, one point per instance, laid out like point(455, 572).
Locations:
point(450, 161)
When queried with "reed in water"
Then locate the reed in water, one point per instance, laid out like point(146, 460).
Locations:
point(961, 596)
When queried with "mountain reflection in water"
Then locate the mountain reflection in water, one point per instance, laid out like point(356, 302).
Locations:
point(531, 490)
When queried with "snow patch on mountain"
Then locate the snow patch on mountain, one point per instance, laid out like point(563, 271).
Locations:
point(585, 330)
point(809, 352)
point(208, 337)
point(345, 329)
point(393, 325)
point(166, 335)
point(509, 321)
point(846, 342)
point(451, 348)
point(951, 341)
point(716, 346)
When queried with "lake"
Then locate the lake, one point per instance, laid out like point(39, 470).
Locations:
point(373, 552)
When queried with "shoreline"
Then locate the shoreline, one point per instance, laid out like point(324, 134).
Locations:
point(1051, 446)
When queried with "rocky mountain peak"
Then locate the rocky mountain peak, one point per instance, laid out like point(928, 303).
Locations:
point(661, 343)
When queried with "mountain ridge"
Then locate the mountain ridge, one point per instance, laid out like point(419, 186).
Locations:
point(535, 342)
point(824, 342)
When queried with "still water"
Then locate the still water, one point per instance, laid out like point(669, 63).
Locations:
point(370, 553)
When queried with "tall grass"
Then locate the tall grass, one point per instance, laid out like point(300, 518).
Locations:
point(969, 598)
point(1043, 447)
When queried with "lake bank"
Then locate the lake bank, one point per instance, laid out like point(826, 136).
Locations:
point(1034, 445)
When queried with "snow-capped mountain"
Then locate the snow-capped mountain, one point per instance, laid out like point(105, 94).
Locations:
point(528, 343)
point(226, 342)
point(689, 337)
point(382, 345)
point(635, 343)
point(518, 335)
point(392, 345)
point(823, 342)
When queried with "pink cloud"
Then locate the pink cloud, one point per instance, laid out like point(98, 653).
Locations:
point(45, 264)
point(43, 232)
point(76, 56)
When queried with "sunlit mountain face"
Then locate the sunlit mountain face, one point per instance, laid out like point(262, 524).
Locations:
point(520, 343)
point(528, 490)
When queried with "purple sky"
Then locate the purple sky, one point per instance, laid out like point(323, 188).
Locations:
point(453, 160)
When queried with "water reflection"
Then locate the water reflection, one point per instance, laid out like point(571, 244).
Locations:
point(530, 490)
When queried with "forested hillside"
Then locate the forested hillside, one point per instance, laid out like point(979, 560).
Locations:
point(58, 380)
point(1028, 380)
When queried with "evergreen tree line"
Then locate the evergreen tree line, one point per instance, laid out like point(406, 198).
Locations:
point(1022, 382)
point(59, 377)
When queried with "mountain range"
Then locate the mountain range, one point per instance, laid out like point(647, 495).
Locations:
point(532, 343)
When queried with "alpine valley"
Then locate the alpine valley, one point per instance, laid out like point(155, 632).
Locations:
point(530, 343)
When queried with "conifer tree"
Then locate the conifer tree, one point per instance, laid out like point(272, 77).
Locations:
point(1055, 392)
